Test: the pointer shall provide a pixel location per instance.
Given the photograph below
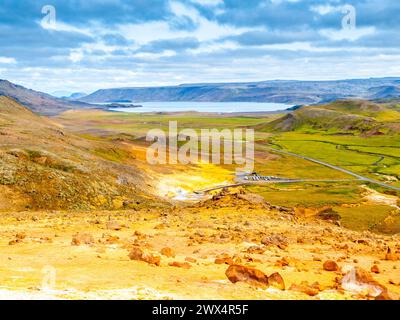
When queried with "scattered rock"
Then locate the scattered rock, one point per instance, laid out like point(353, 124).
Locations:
point(384, 296)
point(150, 259)
point(177, 264)
point(139, 255)
point(160, 226)
point(82, 238)
point(14, 242)
point(283, 262)
point(113, 225)
point(224, 259)
point(276, 240)
point(359, 281)
point(391, 256)
point(255, 249)
point(109, 239)
point(20, 236)
point(238, 273)
point(275, 280)
point(330, 265)
point(305, 287)
point(168, 252)
point(375, 269)
point(136, 253)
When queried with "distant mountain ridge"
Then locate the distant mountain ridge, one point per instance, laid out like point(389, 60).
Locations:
point(277, 91)
point(38, 101)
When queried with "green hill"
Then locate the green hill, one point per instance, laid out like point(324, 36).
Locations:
point(347, 116)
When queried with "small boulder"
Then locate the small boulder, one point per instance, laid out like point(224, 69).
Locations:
point(177, 264)
point(276, 240)
point(225, 260)
point(168, 252)
point(238, 273)
point(151, 259)
point(330, 265)
point(82, 239)
point(136, 253)
point(255, 249)
point(139, 255)
point(359, 281)
point(20, 236)
point(391, 256)
point(275, 280)
point(113, 225)
point(304, 287)
point(283, 262)
point(375, 269)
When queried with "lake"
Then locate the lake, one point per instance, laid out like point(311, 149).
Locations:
point(218, 107)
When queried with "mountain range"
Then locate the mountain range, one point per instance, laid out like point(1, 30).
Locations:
point(38, 101)
point(277, 91)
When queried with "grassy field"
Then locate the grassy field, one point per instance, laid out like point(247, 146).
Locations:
point(374, 157)
point(140, 124)
point(369, 217)
point(310, 194)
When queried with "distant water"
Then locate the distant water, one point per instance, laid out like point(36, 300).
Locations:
point(219, 107)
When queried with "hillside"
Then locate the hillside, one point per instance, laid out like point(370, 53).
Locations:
point(44, 167)
point(345, 116)
point(290, 92)
point(38, 101)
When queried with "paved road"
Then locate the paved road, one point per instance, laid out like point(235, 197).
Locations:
point(244, 183)
point(359, 177)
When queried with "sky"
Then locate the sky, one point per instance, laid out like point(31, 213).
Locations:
point(70, 46)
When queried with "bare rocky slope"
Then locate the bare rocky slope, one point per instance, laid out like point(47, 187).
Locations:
point(44, 167)
point(38, 101)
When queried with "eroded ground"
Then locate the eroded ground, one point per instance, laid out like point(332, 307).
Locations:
point(89, 253)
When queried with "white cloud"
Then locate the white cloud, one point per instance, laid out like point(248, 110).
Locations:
point(209, 3)
point(155, 56)
point(325, 9)
point(61, 26)
point(76, 56)
point(206, 30)
point(347, 34)
point(6, 60)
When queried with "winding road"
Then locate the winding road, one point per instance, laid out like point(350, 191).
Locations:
point(359, 177)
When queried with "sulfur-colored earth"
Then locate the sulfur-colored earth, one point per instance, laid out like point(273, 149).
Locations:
point(41, 262)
